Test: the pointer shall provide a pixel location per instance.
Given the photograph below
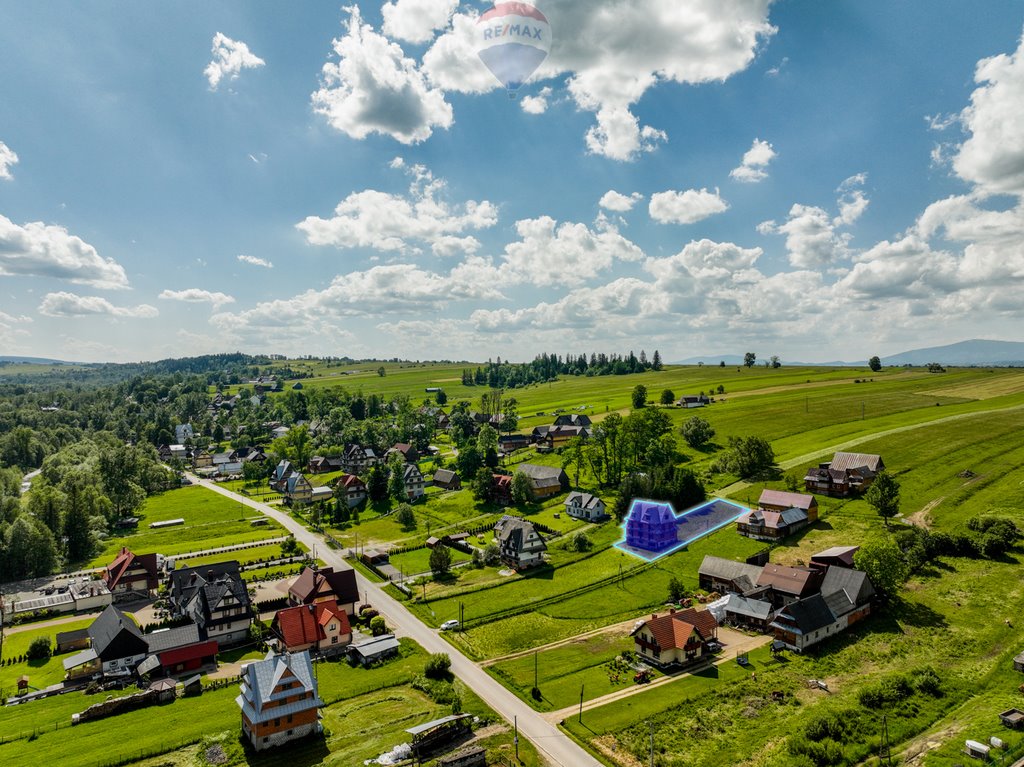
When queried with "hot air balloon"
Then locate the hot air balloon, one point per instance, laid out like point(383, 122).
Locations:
point(513, 39)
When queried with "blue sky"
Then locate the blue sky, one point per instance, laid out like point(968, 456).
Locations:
point(308, 178)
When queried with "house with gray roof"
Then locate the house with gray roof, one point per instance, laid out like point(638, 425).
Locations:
point(519, 543)
point(727, 576)
point(585, 506)
point(545, 481)
point(216, 599)
point(279, 700)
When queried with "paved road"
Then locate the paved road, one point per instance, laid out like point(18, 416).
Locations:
point(558, 748)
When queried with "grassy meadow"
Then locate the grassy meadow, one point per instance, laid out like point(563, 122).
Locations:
point(211, 521)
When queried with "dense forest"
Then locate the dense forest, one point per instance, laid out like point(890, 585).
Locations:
point(547, 367)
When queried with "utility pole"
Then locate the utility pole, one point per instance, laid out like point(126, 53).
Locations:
point(581, 704)
point(535, 662)
point(515, 740)
point(862, 411)
point(884, 749)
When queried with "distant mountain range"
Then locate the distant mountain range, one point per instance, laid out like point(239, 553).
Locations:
point(33, 360)
point(962, 354)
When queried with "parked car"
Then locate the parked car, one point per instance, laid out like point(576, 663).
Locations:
point(449, 625)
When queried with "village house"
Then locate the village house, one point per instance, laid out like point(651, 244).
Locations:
point(519, 543)
point(415, 484)
point(202, 459)
point(358, 459)
point(116, 641)
point(502, 489)
point(132, 575)
point(545, 481)
point(279, 700)
point(447, 479)
point(325, 585)
point(408, 452)
point(321, 627)
point(748, 613)
point(679, 638)
point(509, 443)
point(216, 599)
point(179, 650)
point(778, 514)
point(693, 401)
point(374, 650)
point(559, 436)
point(782, 585)
point(353, 488)
point(318, 464)
point(573, 419)
point(297, 489)
point(725, 576)
point(279, 478)
point(836, 556)
point(183, 432)
point(585, 506)
point(844, 599)
point(844, 475)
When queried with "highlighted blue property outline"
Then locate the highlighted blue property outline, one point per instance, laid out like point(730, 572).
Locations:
point(701, 509)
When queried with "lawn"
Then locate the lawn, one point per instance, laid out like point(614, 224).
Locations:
point(418, 561)
point(40, 673)
point(561, 672)
point(367, 713)
point(211, 521)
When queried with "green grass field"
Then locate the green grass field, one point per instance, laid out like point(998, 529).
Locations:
point(211, 521)
point(40, 673)
point(367, 713)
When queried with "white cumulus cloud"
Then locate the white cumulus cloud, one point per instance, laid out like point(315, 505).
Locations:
point(42, 250)
point(993, 156)
point(687, 207)
point(620, 203)
point(536, 105)
point(375, 88)
point(254, 261)
point(7, 159)
point(753, 167)
point(197, 296)
point(391, 222)
point(64, 304)
point(597, 45)
point(417, 21)
point(230, 57)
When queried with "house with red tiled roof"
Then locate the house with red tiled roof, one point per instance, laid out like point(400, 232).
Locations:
point(679, 638)
point(319, 627)
point(325, 585)
point(132, 574)
point(353, 487)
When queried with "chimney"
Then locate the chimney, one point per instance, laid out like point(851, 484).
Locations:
point(192, 577)
point(209, 575)
point(654, 616)
point(671, 611)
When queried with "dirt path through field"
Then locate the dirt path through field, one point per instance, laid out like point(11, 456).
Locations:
point(808, 458)
point(615, 627)
point(920, 518)
point(735, 644)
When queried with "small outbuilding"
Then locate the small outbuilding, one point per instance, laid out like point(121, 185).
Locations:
point(374, 650)
point(1018, 663)
point(1014, 719)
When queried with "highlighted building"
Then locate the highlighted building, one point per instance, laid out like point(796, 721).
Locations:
point(651, 526)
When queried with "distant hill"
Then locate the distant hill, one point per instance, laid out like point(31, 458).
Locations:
point(33, 360)
point(973, 352)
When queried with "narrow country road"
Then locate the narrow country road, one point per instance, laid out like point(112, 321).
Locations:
point(554, 745)
point(26, 481)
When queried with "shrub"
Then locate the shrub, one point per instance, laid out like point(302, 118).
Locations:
point(437, 666)
point(378, 626)
point(886, 692)
point(579, 542)
point(39, 649)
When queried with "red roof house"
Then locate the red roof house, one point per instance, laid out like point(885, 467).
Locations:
point(681, 637)
point(132, 573)
point(325, 585)
point(319, 626)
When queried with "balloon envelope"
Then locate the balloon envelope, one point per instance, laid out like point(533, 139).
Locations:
point(513, 39)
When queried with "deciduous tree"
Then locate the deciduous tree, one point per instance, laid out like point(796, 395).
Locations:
point(884, 496)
